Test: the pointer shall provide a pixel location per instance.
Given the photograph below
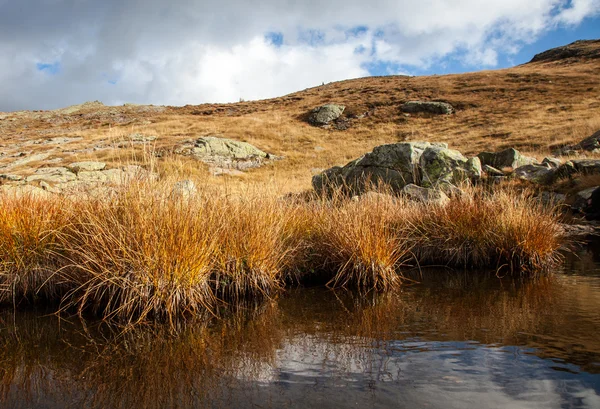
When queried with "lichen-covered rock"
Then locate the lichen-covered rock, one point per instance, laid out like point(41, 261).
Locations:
point(508, 158)
point(425, 195)
point(443, 165)
point(395, 165)
point(440, 108)
point(324, 114)
point(535, 173)
point(228, 148)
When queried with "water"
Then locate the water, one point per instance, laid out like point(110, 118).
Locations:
point(457, 341)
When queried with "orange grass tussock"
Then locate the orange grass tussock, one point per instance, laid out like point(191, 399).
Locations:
point(141, 253)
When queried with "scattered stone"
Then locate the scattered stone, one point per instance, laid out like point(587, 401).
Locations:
point(29, 159)
point(324, 114)
point(534, 173)
point(425, 195)
point(88, 166)
point(439, 108)
point(582, 197)
point(138, 137)
point(491, 171)
point(579, 229)
point(508, 158)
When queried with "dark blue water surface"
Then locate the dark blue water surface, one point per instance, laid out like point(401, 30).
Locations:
point(455, 340)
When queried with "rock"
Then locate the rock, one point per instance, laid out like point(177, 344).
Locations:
point(508, 158)
point(440, 108)
point(93, 176)
point(88, 166)
point(11, 178)
point(29, 159)
point(44, 185)
point(324, 114)
point(553, 163)
point(138, 137)
point(52, 175)
point(184, 189)
point(491, 171)
point(225, 153)
point(535, 173)
point(590, 143)
point(552, 198)
point(395, 165)
point(24, 190)
point(582, 197)
point(425, 195)
point(440, 164)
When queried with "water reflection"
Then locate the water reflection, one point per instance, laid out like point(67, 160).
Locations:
point(457, 341)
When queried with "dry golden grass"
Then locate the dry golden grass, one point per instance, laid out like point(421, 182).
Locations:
point(143, 253)
point(30, 251)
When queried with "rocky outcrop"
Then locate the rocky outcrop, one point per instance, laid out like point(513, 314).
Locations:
point(325, 114)
point(223, 153)
point(88, 166)
point(397, 165)
point(508, 158)
point(588, 49)
point(439, 108)
point(589, 144)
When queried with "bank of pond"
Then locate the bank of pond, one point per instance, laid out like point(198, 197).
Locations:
point(142, 254)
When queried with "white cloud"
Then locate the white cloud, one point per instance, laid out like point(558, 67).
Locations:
point(192, 51)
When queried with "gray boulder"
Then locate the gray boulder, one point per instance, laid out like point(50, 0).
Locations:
point(52, 175)
point(443, 165)
point(225, 153)
point(324, 114)
point(583, 166)
point(535, 173)
point(395, 165)
point(440, 108)
point(582, 197)
point(425, 195)
point(184, 189)
point(508, 158)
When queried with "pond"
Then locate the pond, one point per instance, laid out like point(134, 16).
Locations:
point(453, 340)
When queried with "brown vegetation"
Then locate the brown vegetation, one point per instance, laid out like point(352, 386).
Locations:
point(142, 254)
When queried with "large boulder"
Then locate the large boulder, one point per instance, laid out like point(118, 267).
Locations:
point(583, 166)
point(397, 165)
point(394, 164)
point(324, 114)
point(442, 165)
point(440, 108)
point(224, 153)
point(508, 158)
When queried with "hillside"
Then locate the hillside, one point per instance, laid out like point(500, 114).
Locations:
point(537, 107)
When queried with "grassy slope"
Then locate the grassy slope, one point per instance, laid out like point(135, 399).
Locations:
point(534, 107)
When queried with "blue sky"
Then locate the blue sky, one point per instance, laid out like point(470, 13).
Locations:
point(57, 53)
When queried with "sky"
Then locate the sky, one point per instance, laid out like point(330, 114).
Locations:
point(56, 53)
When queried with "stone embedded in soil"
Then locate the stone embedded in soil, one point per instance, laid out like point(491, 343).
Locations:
point(491, 171)
point(425, 195)
point(89, 166)
point(52, 175)
point(535, 173)
point(324, 114)
point(433, 107)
